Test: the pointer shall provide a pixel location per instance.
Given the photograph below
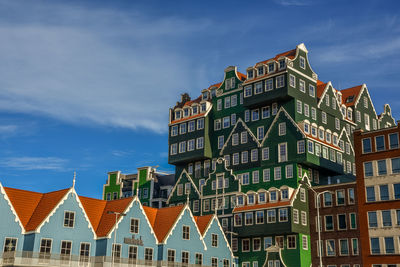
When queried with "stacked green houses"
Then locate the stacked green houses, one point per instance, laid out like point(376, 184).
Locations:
point(243, 147)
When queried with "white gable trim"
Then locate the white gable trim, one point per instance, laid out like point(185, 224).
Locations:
point(210, 223)
point(386, 113)
point(90, 226)
point(17, 219)
point(176, 223)
point(177, 182)
point(233, 130)
point(364, 87)
point(344, 131)
point(281, 109)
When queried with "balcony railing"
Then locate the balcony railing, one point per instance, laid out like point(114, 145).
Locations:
point(27, 258)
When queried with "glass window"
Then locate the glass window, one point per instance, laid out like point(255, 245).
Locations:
point(394, 140)
point(396, 189)
point(351, 196)
point(389, 245)
point(267, 242)
point(384, 192)
point(271, 216)
point(367, 148)
point(380, 143)
point(69, 219)
point(386, 218)
point(344, 246)
point(396, 165)
point(375, 248)
point(342, 225)
point(382, 167)
point(327, 199)
point(353, 223)
point(340, 197)
point(368, 169)
point(329, 223)
point(370, 193)
point(372, 219)
point(330, 247)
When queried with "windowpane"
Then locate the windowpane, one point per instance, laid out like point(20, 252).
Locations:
point(382, 167)
point(384, 192)
point(368, 170)
point(380, 143)
point(370, 193)
point(396, 165)
point(396, 188)
point(367, 148)
point(389, 245)
point(386, 218)
point(372, 219)
point(394, 140)
point(375, 248)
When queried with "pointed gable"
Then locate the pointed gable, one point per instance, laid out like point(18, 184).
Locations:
point(239, 127)
point(320, 88)
point(203, 222)
point(94, 209)
point(183, 178)
point(162, 220)
point(32, 207)
point(350, 95)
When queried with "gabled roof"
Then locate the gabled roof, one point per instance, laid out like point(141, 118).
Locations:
point(203, 222)
point(179, 179)
point(289, 54)
point(32, 208)
point(94, 209)
point(349, 95)
point(320, 88)
point(241, 76)
point(162, 220)
point(217, 85)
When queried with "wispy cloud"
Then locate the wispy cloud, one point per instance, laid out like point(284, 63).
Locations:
point(94, 66)
point(34, 163)
point(293, 2)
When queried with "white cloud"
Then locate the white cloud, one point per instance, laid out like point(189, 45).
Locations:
point(293, 2)
point(34, 163)
point(94, 66)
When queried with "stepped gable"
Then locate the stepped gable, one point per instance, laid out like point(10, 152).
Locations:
point(32, 207)
point(202, 222)
point(162, 219)
point(349, 95)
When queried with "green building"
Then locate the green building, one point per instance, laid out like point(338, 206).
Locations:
point(152, 187)
point(242, 148)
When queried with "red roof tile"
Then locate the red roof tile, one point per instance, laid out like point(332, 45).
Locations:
point(32, 207)
point(215, 85)
point(289, 54)
point(320, 88)
point(163, 219)
point(202, 222)
point(350, 95)
point(94, 209)
point(241, 76)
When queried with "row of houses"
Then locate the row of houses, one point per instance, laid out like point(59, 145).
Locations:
point(63, 228)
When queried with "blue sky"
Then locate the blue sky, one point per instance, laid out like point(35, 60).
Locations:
point(85, 86)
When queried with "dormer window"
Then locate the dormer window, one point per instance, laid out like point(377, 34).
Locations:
point(203, 107)
point(262, 197)
point(260, 70)
point(328, 137)
point(205, 95)
point(271, 67)
point(227, 84)
point(177, 115)
point(349, 114)
point(250, 74)
point(343, 111)
point(186, 112)
point(273, 196)
point(307, 128)
point(284, 194)
point(321, 134)
point(195, 110)
point(282, 64)
point(239, 200)
point(213, 93)
point(250, 199)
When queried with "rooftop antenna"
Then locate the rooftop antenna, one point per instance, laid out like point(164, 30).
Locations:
point(73, 181)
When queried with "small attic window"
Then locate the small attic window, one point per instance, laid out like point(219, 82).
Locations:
point(350, 99)
point(205, 95)
point(213, 93)
point(195, 109)
point(178, 114)
point(250, 74)
point(271, 67)
point(203, 107)
point(186, 112)
point(282, 64)
point(260, 70)
point(302, 62)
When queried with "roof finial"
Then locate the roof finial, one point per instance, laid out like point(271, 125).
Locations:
point(187, 199)
point(73, 181)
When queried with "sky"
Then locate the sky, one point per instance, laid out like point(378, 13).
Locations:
point(86, 86)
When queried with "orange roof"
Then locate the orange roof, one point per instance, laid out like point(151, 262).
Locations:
point(202, 222)
point(94, 209)
point(289, 54)
point(32, 207)
point(163, 219)
point(189, 118)
point(215, 85)
point(320, 88)
point(197, 100)
point(350, 95)
point(241, 76)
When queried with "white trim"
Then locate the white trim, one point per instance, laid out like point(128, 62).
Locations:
point(177, 182)
point(17, 219)
point(214, 217)
point(364, 87)
point(348, 139)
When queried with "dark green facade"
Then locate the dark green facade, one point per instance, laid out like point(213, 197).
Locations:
point(263, 133)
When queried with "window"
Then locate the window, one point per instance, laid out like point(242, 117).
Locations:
point(370, 193)
point(185, 258)
point(10, 244)
point(324, 119)
point(182, 147)
point(384, 192)
point(214, 262)
point(289, 171)
point(171, 255)
point(116, 252)
point(302, 195)
point(245, 178)
point(396, 189)
point(282, 150)
point(386, 218)
point(227, 102)
point(84, 252)
point(269, 85)
point(300, 147)
point(274, 108)
point(247, 91)
point(382, 167)
point(279, 241)
point(302, 63)
point(259, 217)
point(271, 216)
point(280, 81)
point(220, 141)
point(65, 253)
point(69, 219)
point(393, 140)
point(304, 218)
point(354, 246)
point(328, 222)
point(258, 88)
point(243, 137)
point(214, 240)
point(340, 197)
point(299, 106)
point(389, 245)
point(233, 119)
point(246, 245)
point(311, 90)
point(256, 177)
point(185, 232)
point(282, 128)
point(296, 216)
point(277, 173)
point(313, 113)
point(330, 247)
point(187, 188)
point(271, 67)
point(180, 190)
point(265, 153)
point(256, 244)
point(291, 241)
point(245, 156)
point(351, 196)
point(174, 130)
point(191, 126)
point(134, 226)
point(266, 175)
point(226, 122)
point(267, 242)
point(344, 247)
point(283, 215)
point(255, 115)
point(353, 223)
point(182, 128)
point(190, 145)
point(368, 170)
point(380, 143)
point(198, 259)
point(260, 132)
point(310, 147)
point(254, 155)
point(235, 159)
point(304, 242)
point(372, 219)
point(342, 225)
point(306, 110)
point(292, 80)
point(375, 248)
point(238, 219)
point(234, 244)
point(396, 165)
point(302, 86)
